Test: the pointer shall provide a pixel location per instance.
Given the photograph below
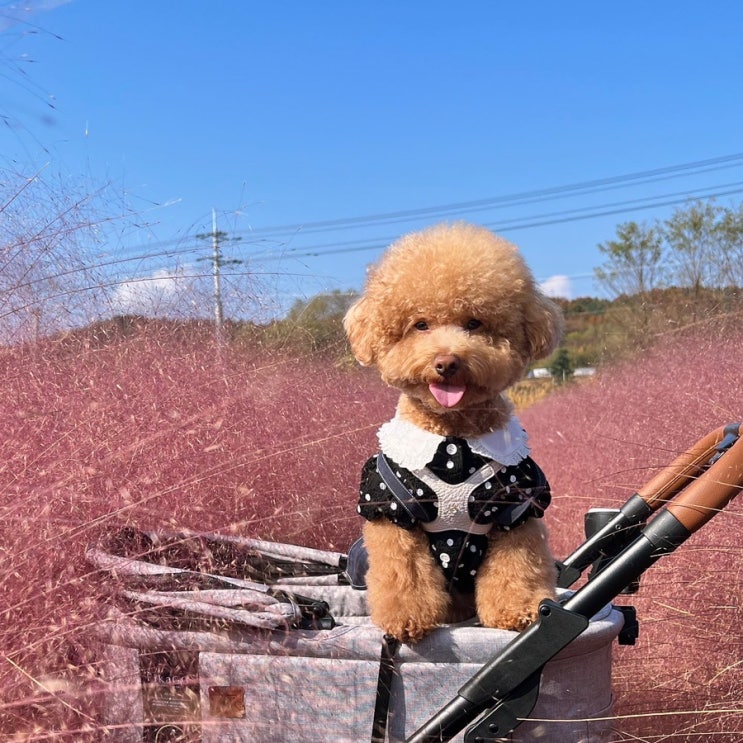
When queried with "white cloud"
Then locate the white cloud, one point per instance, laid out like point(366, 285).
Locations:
point(160, 294)
point(557, 286)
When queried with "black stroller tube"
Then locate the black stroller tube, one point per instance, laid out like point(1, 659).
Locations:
point(449, 721)
point(661, 537)
point(609, 539)
point(685, 472)
point(700, 500)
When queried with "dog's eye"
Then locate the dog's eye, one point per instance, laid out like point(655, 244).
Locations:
point(421, 325)
point(472, 324)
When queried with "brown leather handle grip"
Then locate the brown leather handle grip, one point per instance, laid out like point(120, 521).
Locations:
point(710, 493)
point(682, 471)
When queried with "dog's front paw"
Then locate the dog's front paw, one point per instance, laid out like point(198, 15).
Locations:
point(407, 628)
point(516, 618)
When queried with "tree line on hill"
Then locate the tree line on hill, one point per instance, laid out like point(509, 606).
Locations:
point(662, 277)
point(658, 277)
point(673, 273)
point(596, 330)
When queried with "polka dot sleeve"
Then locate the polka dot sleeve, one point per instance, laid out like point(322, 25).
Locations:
point(376, 500)
point(515, 494)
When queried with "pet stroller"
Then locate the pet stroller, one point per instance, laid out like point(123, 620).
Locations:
point(210, 638)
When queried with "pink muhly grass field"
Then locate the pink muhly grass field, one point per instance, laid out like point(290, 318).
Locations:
point(159, 429)
point(599, 443)
point(155, 430)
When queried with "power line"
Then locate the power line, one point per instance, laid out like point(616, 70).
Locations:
point(364, 245)
point(582, 188)
point(543, 220)
point(636, 178)
point(685, 196)
point(521, 223)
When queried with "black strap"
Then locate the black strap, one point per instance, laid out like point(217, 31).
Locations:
point(384, 688)
point(402, 495)
point(315, 613)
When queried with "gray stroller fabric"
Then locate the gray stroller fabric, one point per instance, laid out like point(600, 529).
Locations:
point(221, 639)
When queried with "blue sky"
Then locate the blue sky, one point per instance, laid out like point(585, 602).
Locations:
point(290, 114)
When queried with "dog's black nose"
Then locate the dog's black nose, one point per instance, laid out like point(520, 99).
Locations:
point(446, 365)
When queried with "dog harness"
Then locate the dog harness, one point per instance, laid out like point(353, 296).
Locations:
point(458, 496)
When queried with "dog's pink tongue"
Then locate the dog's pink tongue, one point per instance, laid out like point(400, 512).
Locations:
point(447, 395)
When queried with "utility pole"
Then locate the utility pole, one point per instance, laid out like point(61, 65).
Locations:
point(218, 263)
point(216, 260)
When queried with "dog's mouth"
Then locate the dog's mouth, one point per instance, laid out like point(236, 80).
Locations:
point(447, 395)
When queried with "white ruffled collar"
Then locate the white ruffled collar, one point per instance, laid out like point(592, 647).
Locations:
point(413, 447)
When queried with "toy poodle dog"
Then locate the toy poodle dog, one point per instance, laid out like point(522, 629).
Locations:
point(451, 317)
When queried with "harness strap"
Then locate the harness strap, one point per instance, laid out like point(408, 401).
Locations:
point(384, 688)
point(453, 498)
point(513, 514)
point(402, 495)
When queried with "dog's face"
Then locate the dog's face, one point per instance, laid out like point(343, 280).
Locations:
point(452, 317)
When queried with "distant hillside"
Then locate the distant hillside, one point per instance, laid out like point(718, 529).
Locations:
point(597, 331)
point(601, 330)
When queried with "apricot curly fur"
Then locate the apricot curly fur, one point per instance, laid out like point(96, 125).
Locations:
point(407, 594)
point(459, 292)
point(517, 573)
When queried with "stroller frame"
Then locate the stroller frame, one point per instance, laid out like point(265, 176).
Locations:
point(155, 578)
point(688, 493)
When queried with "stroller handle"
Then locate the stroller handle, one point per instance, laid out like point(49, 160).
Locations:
point(702, 481)
point(709, 494)
point(685, 468)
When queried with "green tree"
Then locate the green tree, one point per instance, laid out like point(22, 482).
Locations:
point(730, 228)
point(562, 368)
point(316, 323)
point(321, 308)
point(634, 267)
point(705, 243)
point(694, 236)
point(634, 261)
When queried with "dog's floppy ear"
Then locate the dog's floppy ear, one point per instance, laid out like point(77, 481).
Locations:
point(357, 324)
point(543, 325)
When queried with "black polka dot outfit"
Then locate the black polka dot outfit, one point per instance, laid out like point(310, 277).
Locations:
point(503, 498)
